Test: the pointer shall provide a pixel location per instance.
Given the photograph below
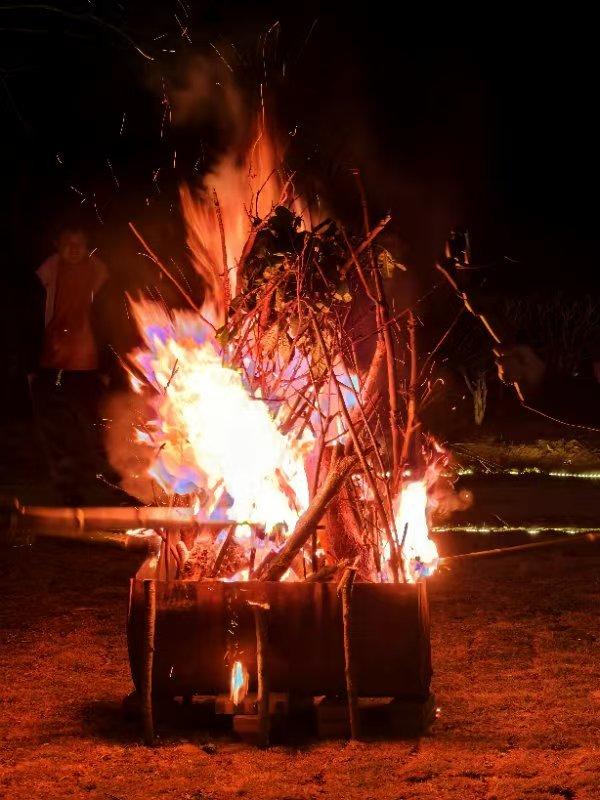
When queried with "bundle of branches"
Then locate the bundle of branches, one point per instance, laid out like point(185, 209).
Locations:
point(288, 330)
point(287, 310)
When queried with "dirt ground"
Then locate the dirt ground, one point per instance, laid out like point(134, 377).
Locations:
point(516, 654)
point(516, 650)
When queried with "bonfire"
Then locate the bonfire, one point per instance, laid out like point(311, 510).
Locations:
point(282, 436)
point(263, 412)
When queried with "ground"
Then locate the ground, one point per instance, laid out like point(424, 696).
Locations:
point(516, 654)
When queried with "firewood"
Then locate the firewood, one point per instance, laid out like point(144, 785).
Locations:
point(200, 562)
point(223, 551)
point(328, 572)
point(339, 472)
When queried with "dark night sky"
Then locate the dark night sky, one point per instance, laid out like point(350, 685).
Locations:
point(497, 136)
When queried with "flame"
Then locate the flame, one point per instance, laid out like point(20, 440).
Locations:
point(419, 552)
point(219, 219)
point(239, 682)
point(214, 437)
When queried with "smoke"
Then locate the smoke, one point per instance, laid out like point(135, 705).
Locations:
point(129, 457)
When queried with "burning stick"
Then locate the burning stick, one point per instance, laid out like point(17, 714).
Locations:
point(148, 662)
point(327, 572)
point(166, 272)
point(359, 450)
point(340, 470)
point(345, 588)
point(383, 324)
point(223, 551)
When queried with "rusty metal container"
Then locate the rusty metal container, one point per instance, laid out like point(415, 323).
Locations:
point(202, 627)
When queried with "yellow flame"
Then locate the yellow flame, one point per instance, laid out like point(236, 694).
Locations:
point(419, 552)
point(212, 432)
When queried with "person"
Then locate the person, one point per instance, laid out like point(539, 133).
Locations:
point(67, 387)
point(574, 401)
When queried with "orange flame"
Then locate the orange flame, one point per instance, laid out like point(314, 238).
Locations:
point(219, 219)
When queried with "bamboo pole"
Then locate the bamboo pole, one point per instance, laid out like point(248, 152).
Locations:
point(107, 518)
point(148, 662)
point(345, 590)
point(146, 541)
point(518, 548)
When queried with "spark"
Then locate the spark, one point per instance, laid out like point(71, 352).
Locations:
point(222, 57)
point(112, 172)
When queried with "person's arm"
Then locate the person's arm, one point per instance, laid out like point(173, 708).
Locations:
point(575, 401)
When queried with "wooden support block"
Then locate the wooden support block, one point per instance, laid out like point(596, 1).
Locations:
point(279, 703)
point(224, 705)
point(333, 718)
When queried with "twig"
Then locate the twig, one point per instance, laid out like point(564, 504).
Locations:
point(364, 244)
point(166, 272)
point(411, 405)
point(226, 281)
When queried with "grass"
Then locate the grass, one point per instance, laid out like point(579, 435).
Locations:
point(545, 454)
point(516, 654)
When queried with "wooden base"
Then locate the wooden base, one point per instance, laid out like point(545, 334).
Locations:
point(379, 716)
point(295, 718)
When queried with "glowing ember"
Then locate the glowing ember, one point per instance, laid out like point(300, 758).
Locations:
point(239, 682)
point(419, 552)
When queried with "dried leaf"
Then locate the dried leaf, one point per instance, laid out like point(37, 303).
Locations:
point(387, 264)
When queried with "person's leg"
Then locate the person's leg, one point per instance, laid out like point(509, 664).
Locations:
point(58, 428)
